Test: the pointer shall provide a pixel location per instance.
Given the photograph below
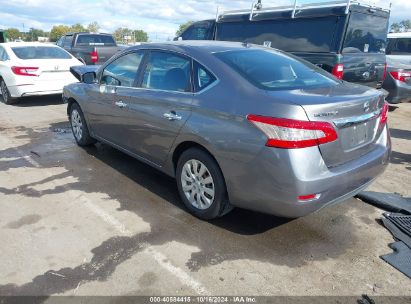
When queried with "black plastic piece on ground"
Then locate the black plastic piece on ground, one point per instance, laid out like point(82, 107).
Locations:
point(387, 201)
point(396, 232)
point(365, 299)
point(402, 221)
point(400, 258)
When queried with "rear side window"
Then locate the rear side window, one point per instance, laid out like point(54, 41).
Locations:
point(295, 35)
point(122, 71)
point(3, 54)
point(199, 31)
point(95, 40)
point(202, 77)
point(167, 71)
point(273, 70)
point(399, 46)
point(40, 52)
point(366, 34)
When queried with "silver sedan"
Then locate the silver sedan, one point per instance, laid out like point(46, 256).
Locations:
point(235, 124)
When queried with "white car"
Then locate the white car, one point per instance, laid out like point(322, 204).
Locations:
point(28, 69)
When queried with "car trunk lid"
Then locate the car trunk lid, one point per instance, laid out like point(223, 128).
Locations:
point(353, 110)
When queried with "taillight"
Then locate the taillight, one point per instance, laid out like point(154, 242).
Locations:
point(385, 72)
point(292, 134)
point(338, 70)
point(384, 113)
point(94, 56)
point(24, 71)
point(401, 76)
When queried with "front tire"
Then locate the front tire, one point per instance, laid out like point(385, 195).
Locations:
point(79, 126)
point(201, 185)
point(5, 93)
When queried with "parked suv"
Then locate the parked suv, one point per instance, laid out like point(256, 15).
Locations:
point(398, 81)
point(346, 39)
point(89, 48)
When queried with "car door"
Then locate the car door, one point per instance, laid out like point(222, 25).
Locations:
point(107, 113)
point(160, 106)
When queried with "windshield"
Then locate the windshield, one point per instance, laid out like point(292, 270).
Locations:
point(399, 46)
point(274, 70)
point(366, 34)
point(40, 52)
point(95, 40)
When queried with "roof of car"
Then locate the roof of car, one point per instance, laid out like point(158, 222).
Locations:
point(400, 35)
point(208, 46)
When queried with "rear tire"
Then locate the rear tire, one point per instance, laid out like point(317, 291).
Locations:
point(5, 94)
point(201, 185)
point(79, 126)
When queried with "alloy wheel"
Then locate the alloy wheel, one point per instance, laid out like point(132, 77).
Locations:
point(4, 91)
point(76, 124)
point(197, 184)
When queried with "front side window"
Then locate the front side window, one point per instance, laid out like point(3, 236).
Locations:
point(202, 77)
point(274, 70)
point(167, 71)
point(199, 31)
point(40, 52)
point(366, 34)
point(122, 71)
point(60, 42)
point(399, 46)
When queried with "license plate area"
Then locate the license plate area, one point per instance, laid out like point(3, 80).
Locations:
point(358, 135)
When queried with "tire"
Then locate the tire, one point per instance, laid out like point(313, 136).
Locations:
point(201, 185)
point(79, 127)
point(5, 94)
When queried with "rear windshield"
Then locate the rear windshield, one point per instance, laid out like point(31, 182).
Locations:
point(40, 52)
point(273, 70)
point(95, 40)
point(399, 46)
point(366, 34)
point(295, 35)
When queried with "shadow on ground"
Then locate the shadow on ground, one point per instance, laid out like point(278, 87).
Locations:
point(153, 197)
point(39, 101)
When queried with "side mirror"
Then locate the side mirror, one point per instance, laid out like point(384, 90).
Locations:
point(89, 77)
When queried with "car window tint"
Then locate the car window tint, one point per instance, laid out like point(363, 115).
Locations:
point(274, 70)
point(202, 77)
point(40, 52)
point(67, 41)
point(2, 57)
point(366, 34)
point(95, 40)
point(399, 46)
point(293, 35)
point(123, 70)
point(198, 31)
point(167, 71)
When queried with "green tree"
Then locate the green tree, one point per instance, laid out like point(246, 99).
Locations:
point(13, 34)
point(140, 36)
point(33, 34)
point(120, 32)
point(403, 26)
point(57, 31)
point(78, 27)
point(183, 27)
point(395, 28)
point(93, 27)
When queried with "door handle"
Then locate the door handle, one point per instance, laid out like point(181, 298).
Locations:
point(120, 104)
point(172, 116)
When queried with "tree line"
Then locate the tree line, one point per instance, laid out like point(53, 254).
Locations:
point(121, 34)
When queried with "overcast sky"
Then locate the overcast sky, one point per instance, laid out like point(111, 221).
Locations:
point(160, 18)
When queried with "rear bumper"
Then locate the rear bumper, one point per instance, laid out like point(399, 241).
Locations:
point(36, 89)
point(398, 91)
point(277, 177)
